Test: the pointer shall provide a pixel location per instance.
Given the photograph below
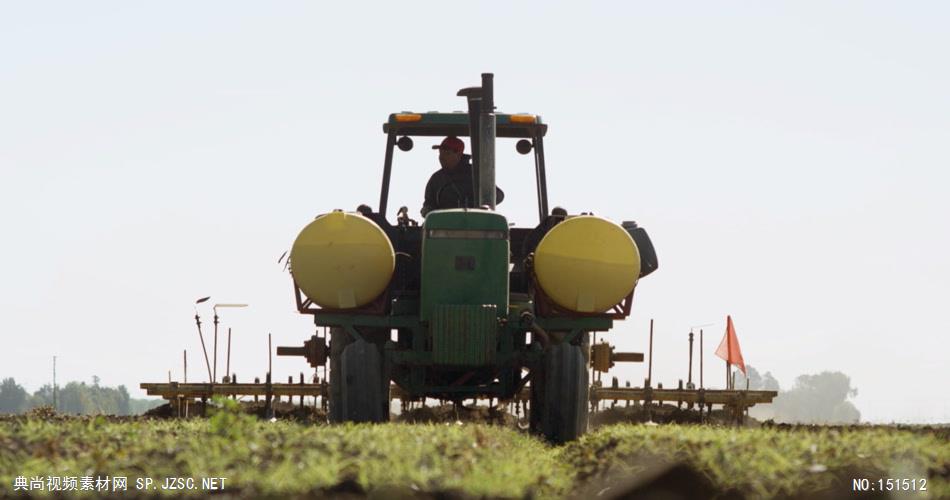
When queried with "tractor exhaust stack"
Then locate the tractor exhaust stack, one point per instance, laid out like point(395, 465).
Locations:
point(481, 114)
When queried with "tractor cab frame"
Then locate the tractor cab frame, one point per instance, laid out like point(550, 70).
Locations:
point(528, 128)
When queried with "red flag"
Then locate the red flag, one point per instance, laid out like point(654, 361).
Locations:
point(729, 347)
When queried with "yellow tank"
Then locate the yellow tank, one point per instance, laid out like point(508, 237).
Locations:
point(342, 260)
point(587, 264)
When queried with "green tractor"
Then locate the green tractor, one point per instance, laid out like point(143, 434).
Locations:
point(464, 306)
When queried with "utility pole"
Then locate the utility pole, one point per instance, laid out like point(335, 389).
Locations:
point(689, 380)
point(650, 363)
point(700, 358)
point(700, 327)
point(55, 402)
point(228, 369)
point(214, 368)
point(228, 366)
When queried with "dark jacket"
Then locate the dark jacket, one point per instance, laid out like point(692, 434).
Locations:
point(453, 188)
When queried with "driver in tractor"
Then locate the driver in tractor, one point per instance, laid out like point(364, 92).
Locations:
point(451, 186)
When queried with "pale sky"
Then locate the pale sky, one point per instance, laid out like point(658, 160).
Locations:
point(790, 161)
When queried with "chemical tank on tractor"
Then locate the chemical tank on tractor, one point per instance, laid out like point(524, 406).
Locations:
point(463, 305)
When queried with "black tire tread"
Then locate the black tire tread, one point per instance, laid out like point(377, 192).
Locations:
point(361, 389)
point(559, 393)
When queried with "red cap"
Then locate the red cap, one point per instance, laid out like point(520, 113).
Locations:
point(453, 143)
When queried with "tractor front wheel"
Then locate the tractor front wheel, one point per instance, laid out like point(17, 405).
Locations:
point(364, 392)
point(359, 390)
point(339, 340)
point(559, 393)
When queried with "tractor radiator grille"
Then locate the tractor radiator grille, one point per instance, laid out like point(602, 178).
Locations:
point(464, 335)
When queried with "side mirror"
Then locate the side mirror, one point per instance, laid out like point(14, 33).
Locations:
point(524, 146)
point(404, 143)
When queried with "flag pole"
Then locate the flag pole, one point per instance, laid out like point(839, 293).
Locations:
point(729, 351)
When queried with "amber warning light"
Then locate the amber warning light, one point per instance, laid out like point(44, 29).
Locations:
point(408, 117)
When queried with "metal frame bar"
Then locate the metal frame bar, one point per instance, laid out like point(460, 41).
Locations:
point(546, 308)
point(505, 130)
point(387, 172)
point(176, 390)
point(537, 182)
point(306, 306)
point(542, 177)
point(701, 396)
point(198, 390)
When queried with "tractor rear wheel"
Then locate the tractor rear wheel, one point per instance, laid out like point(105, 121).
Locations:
point(364, 390)
point(339, 339)
point(559, 393)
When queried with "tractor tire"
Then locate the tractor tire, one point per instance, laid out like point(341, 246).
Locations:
point(364, 390)
point(339, 339)
point(560, 399)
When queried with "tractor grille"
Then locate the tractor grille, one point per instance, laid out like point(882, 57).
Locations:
point(464, 335)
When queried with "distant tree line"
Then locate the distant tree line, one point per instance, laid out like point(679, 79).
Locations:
point(74, 397)
point(813, 399)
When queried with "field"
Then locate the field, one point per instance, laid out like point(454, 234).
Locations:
point(464, 460)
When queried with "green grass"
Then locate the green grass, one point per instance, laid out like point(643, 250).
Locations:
point(767, 462)
point(284, 458)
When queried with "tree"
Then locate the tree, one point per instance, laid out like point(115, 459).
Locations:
point(13, 397)
point(769, 383)
point(83, 399)
point(140, 406)
point(755, 380)
point(75, 398)
point(124, 406)
point(42, 397)
point(818, 399)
